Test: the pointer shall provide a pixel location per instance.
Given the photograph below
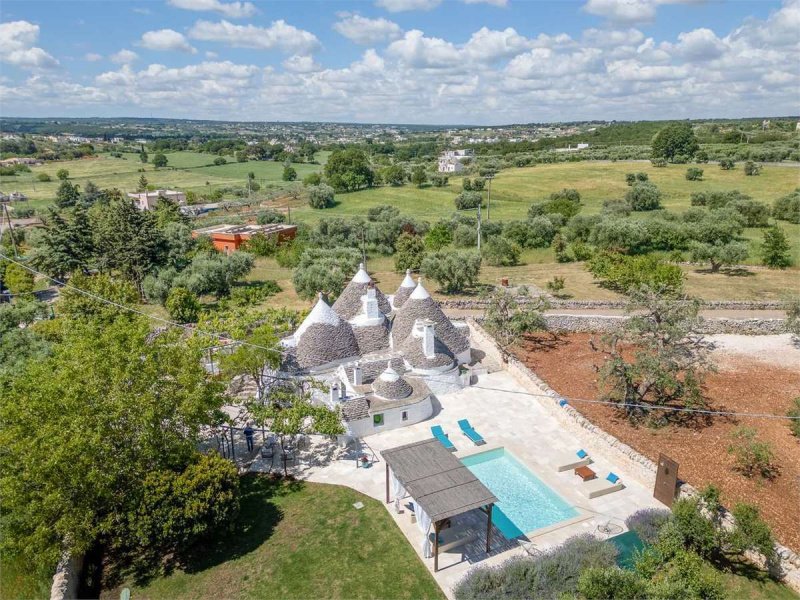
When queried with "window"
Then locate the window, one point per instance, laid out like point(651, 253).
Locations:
point(404, 416)
point(377, 420)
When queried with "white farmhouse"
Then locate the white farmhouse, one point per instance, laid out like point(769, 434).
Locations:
point(148, 200)
point(451, 161)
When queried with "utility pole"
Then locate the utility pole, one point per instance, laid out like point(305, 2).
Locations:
point(479, 228)
point(489, 177)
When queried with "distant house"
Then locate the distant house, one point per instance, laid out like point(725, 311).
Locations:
point(13, 197)
point(148, 200)
point(228, 238)
point(572, 148)
point(451, 161)
point(10, 162)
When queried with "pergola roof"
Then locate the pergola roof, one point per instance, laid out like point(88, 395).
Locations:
point(436, 479)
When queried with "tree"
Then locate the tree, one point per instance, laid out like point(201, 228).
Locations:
point(18, 279)
point(312, 179)
point(410, 250)
point(643, 196)
point(160, 160)
point(143, 183)
point(726, 164)
point(540, 233)
point(348, 170)
point(143, 156)
point(65, 244)
point(419, 176)
point(439, 179)
point(324, 270)
point(630, 178)
point(91, 193)
point(438, 237)
point(674, 140)
point(86, 308)
point(452, 270)
point(657, 357)
point(67, 194)
point(775, 249)
point(787, 208)
point(62, 174)
point(19, 341)
point(625, 273)
point(753, 456)
point(320, 196)
point(751, 168)
point(182, 305)
point(468, 200)
point(394, 175)
point(508, 319)
point(259, 358)
point(501, 252)
point(718, 253)
point(110, 390)
point(220, 160)
point(694, 174)
point(289, 174)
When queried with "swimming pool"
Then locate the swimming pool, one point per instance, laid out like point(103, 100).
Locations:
point(525, 503)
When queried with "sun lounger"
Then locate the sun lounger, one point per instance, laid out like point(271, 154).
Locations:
point(600, 487)
point(573, 460)
point(440, 435)
point(454, 539)
point(468, 431)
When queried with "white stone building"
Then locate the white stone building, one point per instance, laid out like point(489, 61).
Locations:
point(148, 200)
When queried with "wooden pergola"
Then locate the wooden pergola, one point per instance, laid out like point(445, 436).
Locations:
point(439, 483)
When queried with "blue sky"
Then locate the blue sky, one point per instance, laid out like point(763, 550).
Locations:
point(422, 61)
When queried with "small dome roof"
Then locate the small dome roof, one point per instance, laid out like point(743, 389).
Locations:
point(391, 385)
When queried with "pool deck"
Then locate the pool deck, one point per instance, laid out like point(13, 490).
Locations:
point(507, 416)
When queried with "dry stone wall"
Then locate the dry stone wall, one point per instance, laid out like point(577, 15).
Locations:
point(639, 466)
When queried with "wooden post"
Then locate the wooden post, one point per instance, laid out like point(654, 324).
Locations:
point(387, 483)
point(488, 527)
point(233, 450)
point(436, 546)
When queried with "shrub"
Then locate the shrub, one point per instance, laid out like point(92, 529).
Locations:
point(465, 236)
point(750, 532)
point(794, 413)
point(182, 305)
point(753, 457)
point(696, 532)
point(787, 208)
point(438, 237)
point(616, 207)
point(775, 249)
point(644, 196)
point(647, 522)
point(642, 176)
point(501, 252)
point(18, 279)
point(686, 575)
point(253, 293)
point(623, 273)
point(540, 232)
point(320, 196)
point(439, 180)
point(468, 200)
point(754, 213)
point(312, 179)
point(658, 162)
point(751, 169)
point(452, 270)
point(410, 250)
point(289, 173)
point(694, 174)
point(581, 251)
point(43, 177)
point(726, 164)
point(556, 285)
point(62, 174)
point(613, 582)
point(261, 245)
point(701, 156)
point(630, 178)
point(268, 216)
point(220, 160)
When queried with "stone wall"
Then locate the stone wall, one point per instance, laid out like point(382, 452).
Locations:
point(479, 304)
point(609, 447)
point(598, 323)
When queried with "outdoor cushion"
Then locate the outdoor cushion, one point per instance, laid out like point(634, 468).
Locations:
point(581, 453)
point(613, 478)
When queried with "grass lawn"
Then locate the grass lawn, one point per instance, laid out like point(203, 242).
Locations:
point(300, 540)
point(18, 582)
point(743, 580)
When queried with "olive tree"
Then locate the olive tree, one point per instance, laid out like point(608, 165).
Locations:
point(452, 270)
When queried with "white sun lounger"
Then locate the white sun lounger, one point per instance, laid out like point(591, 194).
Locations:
point(600, 487)
point(570, 460)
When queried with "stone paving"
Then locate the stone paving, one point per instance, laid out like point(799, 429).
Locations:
point(507, 416)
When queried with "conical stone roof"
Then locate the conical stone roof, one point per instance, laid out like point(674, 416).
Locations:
point(414, 352)
point(391, 386)
point(348, 304)
point(420, 305)
point(324, 337)
point(404, 291)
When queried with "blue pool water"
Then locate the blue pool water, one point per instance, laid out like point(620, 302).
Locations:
point(525, 503)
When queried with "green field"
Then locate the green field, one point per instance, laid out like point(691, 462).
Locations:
point(185, 171)
point(300, 540)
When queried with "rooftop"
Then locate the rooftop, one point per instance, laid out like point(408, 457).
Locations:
point(243, 229)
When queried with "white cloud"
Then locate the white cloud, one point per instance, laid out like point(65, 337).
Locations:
point(612, 37)
point(124, 57)
point(405, 5)
point(166, 39)
point(210, 54)
point(301, 64)
point(630, 11)
point(279, 35)
point(492, 2)
point(367, 32)
point(93, 56)
point(488, 45)
point(631, 70)
point(699, 45)
point(17, 39)
point(779, 29)
point(417, 50)
point(232, 10)
point(142, 11)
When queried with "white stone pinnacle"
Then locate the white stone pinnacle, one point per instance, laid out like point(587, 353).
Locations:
point(419, 293)
point(408, 282)
point(321, 313)
point(361, 275)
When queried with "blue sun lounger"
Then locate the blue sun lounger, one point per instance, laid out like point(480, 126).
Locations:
point(440, 435)
point(468, 431)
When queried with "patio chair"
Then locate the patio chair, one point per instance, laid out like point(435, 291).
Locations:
point(440, 435)
point(572, 460)
point(601, 487)
point(470, 432)
point(529, 547)
point(267, 451)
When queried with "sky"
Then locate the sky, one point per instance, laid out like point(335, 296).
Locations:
point(401, 61)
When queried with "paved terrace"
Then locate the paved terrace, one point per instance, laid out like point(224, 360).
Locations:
point(507, 416)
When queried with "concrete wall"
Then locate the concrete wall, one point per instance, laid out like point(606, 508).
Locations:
point(610, 448)
point(392, 418)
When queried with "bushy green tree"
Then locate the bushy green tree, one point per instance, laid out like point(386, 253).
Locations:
point(320, 196)
point(718, 254)
point(438, 237)
point(501, 252)
point(726, 164)
point(751, 168)
point(674, 140)
point(410, 250)
point(77, 306)
point(19, 342)
point(694, 174)
point(312, 179)
point(643, 196)
point(65, 244)
point(394, 175)
point(775, 249)
point(182, 305)
point(220, 160)
point(419, 176)
point(624, 273)
point(18, 279)
point(454, 271)
point(468, 200)
point(439, 180)
point(289, 173)
point(787, 208)
point(750, 532)
point(160, 160)
point(67, 194)
point(62, 174)
point(348, 170)
point(325, 270)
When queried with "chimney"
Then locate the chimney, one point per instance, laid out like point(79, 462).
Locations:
point(342, 390)
point(358, 378)
point(334, 393)
point(428, 339)
point(370, 303)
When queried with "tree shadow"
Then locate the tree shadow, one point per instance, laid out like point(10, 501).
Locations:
point(728, 272)
point(544, 341)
